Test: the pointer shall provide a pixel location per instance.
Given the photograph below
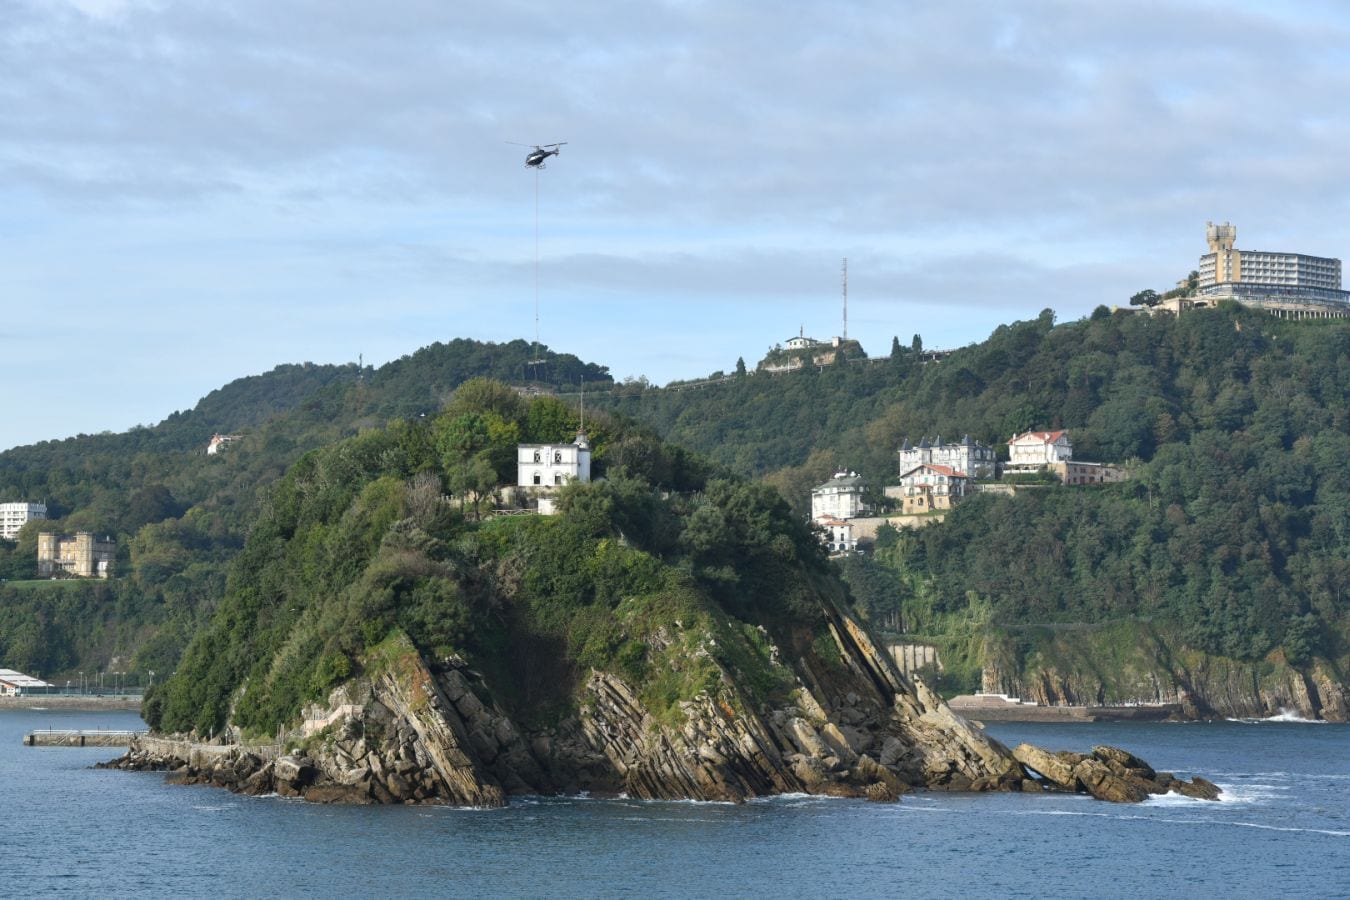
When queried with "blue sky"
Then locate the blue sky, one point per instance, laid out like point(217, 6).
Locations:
point(195, 191)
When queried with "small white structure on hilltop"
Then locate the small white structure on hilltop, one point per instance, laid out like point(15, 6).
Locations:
point(14, 684)
point(14, 516)
point(1039, 448)
point(842, 497)
point(968, 456)
point(218, 442)
point(542, 468)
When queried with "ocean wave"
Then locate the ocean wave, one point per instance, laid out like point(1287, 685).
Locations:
point(1284, 715)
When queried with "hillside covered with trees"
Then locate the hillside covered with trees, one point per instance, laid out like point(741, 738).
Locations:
point(1232, 534)
point(1231, 539)
point(179, 515)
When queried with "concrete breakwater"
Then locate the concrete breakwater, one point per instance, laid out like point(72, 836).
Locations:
point(54, 738)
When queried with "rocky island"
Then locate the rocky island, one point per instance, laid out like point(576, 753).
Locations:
point(669, 634)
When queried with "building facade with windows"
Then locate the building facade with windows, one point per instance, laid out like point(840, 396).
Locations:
point(14, 516)
point(81, 556)
point(553, 465)
point(967, 456)
point(1289, 285)
point(931, 487)
point(1032, 449)
point(842, 497)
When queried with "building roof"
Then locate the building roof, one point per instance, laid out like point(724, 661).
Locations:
point(941, 470)
point(832, 520)
point(20, 680)
point(841, 480)
point(1045, 437)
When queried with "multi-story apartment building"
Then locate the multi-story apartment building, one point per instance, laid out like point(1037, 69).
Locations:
point(14, 516)
point(1224, 263)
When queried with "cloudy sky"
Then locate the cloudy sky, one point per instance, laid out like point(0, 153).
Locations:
point(195, 191)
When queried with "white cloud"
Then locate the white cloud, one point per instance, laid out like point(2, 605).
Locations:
point(982, 158)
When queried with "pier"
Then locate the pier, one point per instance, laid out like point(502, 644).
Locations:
point(53, 738)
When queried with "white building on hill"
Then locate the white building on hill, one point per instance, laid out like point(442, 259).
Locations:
point(14, 516)
point(553, 465)
point(967, 456)
point(842, 497)
point(1039, 448)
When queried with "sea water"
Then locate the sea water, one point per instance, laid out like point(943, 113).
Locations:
point(1281, 830)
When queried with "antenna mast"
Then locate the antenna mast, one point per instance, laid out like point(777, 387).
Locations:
point(845, 298)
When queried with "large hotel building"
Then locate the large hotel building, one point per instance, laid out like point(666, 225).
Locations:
point(1290, 285)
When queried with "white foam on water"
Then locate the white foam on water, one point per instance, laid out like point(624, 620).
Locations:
point(1284, 715)
point(1198, 821)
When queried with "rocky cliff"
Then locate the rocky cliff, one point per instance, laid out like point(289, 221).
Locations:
point(1140, 664)
point(409, 732)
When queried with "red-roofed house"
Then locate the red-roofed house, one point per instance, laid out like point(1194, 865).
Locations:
point(929, 487)
point(1039, 448)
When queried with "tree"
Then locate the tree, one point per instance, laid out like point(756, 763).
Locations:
point(1146, 297)
point(917, 344)
point(740, 366)
point(895, 347)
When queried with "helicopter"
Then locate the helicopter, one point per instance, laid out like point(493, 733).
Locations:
point(535, 158)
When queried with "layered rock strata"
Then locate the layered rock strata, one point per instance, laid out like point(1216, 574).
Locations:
point(409, 732)
point(1108, 773)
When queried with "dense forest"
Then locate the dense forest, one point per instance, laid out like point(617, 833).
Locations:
point(179, 515)
point(380, 534)
point(1233, 530)
point(1234, 527)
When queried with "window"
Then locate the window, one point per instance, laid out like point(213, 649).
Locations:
point(536, 478)
point(537, 457)
point(557, 479)
point(557, 456)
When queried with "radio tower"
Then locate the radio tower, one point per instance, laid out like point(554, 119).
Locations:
point(845, 298)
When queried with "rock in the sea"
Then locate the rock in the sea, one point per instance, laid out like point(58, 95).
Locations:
point(1054, 767)
point(1110, 773)
point(1098, 780)
point(1198, 788)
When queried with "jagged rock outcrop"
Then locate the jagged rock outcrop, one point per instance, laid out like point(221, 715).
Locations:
point(409, 732)
point(1108, 773)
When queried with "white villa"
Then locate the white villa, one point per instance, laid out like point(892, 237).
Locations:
point(968, 456)
point(1039, 448)
point(840, 498)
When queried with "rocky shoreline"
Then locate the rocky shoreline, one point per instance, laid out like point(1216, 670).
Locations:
point(411, 732)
